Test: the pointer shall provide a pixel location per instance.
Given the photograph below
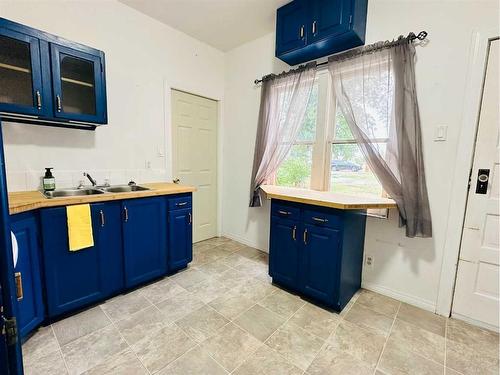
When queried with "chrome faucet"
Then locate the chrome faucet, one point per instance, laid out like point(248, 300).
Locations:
point(92, 181)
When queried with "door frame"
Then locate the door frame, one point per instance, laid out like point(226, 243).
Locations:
point(167, 102)
point(480, 41)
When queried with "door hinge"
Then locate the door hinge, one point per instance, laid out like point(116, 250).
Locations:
point(470, 180)
point(9, 329)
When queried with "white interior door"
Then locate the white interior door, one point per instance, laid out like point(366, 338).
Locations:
point(477, 286)
point(194, 141)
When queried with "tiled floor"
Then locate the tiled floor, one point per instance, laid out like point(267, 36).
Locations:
point(222, 315)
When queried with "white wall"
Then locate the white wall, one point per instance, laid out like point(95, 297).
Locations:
point(143, 57)
point(408, 269)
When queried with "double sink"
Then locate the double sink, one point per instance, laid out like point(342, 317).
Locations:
point(75, 192)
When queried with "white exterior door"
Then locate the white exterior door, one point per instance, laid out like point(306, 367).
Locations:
point(477, 286)
point(194, 141)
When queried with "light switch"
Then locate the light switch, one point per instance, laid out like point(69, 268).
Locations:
point(440, 134)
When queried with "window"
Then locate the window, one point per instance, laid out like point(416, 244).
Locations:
point(326, 155)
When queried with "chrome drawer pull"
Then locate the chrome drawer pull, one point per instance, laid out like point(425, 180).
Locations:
point(294, 233)
point(305, 237)
point(102, 218)
point(320, 220)
point(181, 204)
point(284, 212)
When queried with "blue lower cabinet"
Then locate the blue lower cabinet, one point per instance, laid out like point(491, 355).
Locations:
point(144, 239)
point(28, 272)
point(284, 254)
point(319, 254)
point(180, 239)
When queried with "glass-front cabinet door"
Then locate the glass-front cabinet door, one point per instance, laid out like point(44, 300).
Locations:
point(79, 93)
point(20, 75)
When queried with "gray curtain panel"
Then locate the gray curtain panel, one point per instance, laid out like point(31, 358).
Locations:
point(283, 104)
point(375, 90)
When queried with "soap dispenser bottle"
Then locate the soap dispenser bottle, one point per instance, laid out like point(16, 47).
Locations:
point(49, 182)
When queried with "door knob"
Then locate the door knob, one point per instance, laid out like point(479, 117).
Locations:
point(483, 176)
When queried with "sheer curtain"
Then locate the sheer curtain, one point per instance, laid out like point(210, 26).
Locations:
point(375, 90)
point(283, 104)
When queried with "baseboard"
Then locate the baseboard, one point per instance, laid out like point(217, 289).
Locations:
point(243, 240)
point(403, 297)
point(474, 322)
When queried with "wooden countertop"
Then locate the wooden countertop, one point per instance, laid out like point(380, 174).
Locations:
point(326, 198)
point(31, 200)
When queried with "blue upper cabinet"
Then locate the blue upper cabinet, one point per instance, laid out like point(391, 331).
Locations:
point(47, 80)
point(310, 29)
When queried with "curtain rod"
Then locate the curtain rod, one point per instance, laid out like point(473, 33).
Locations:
point(411, 37)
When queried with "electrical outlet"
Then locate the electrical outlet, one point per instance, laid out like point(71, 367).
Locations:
point(369, 260)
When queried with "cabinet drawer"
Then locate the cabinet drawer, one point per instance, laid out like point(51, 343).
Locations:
point(285, 211)
point(179, 202)
point(330, 218)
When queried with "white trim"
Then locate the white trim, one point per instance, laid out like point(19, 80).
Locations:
point(475, 322)
point(244, 241)
point(463, 164)
point(403, 297)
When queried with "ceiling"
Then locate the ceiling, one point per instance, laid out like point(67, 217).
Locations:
point(223, 24)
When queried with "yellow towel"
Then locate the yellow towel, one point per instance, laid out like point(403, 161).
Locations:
point(79, 227)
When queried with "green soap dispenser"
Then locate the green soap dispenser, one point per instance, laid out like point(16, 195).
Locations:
point(49, 181)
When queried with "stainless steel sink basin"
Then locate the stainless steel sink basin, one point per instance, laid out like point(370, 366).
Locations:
point(71, 192)
point(123, 188)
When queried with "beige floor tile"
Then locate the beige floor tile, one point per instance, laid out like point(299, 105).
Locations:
point(202, 323)
point(467, 360)
point(379, 303)
point(232, 246)
point(49, 364)
point(208, 290)
point(418, 340)
point(282, 303)
point(363, 343)
point(161, 290)
point(163, 347)
point(217, 241)
point(189, 277)
point(142, 324)
point(92, 350)
point(249, 252)
point(231, 304)
point(398, 360)
point(449, 371)
point(299, 347)
point(231, 346)
point(233, 260)
point(361, 315)
point(316, 320)
point(40, 344)
point(260, 322)
point(233, 278)
point(255, 290)
point(267, 361)
point(424, 319)
point(79, 325)
point(123, 306)
point(331, 361)
point(179, 306)
point(252, 268)
point(194, 362)
point(123, 363)
point(213, 269)
point(480, 339)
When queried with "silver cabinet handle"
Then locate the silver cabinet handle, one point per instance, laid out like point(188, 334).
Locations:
point(125, 210)
point(284, 212)
point(305, 237)
point(102, 218)
point(38, 99)
point(294, 233)
point(190, 218)
point(314, 27)
point(58, 101)
point(320, 220)
point(302, 32)
point(181, 204)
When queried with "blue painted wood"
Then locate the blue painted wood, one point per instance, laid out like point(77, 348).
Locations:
point(180, 201)
point(180, 238)
point(8, 302)
point(73, 279)
point(144, 239)
point(331, 26)
point(44, 80)
point(291, 27)
point(325, 259)
point(30, 307)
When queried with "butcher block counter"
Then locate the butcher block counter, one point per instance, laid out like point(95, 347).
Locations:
point(31, 200)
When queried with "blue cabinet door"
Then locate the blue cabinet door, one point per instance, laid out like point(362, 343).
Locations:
point(329, 18)
point(319, 262)
point(20, 74)
point(73, 279)
point(107, 229)
point(284, 252)
point(291, 26)
point(180, 239)
point(28, 272)
point(78, 84)
point(144, 239)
